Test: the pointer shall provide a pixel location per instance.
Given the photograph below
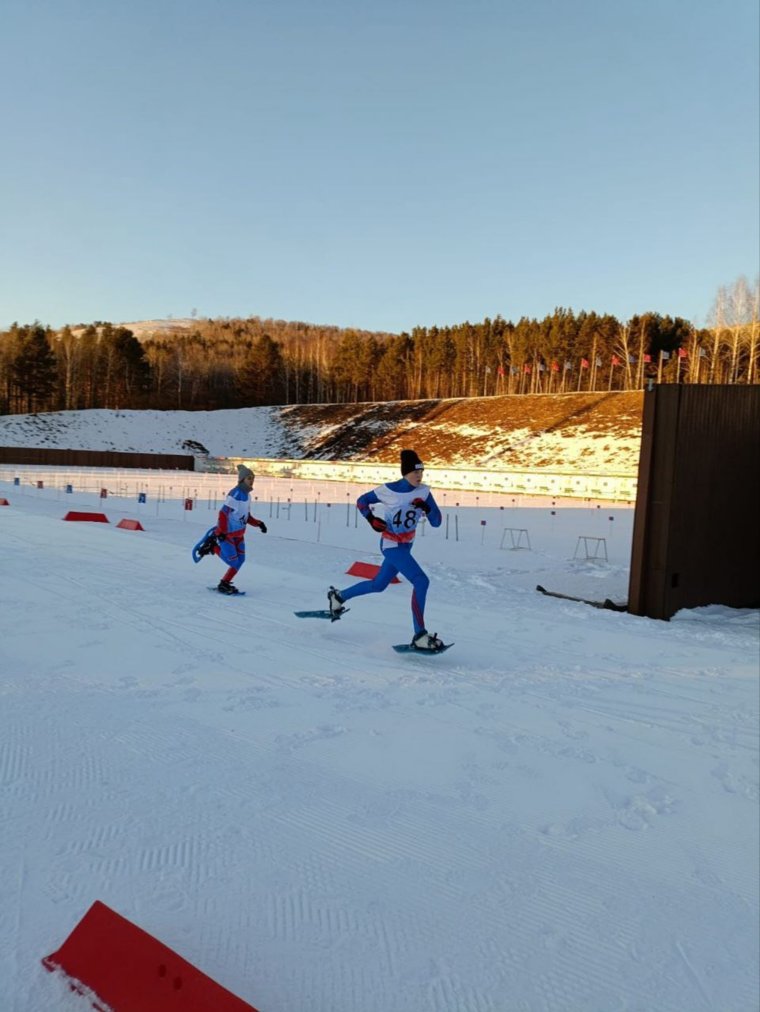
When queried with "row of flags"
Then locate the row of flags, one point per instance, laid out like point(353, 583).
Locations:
point(615, 360)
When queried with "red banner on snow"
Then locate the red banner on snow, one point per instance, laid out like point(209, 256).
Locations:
point(130, 525)
point(114, 962)
point(367, 570)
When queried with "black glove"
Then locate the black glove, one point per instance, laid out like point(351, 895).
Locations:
point(262, 527)
point(221, 536)
point(377, 523)
point(421, 505)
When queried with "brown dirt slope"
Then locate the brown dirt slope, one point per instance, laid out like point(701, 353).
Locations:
point(517, 431)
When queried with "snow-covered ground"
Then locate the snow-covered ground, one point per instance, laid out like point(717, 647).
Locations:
point(560, 813)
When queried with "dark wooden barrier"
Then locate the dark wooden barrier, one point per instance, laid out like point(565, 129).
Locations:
point(95, 458)
point(696, 538)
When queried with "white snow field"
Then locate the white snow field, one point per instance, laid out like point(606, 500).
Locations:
point(560, 813)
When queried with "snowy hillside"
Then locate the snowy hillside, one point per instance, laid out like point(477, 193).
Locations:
point(592, 434)
point(254, 432)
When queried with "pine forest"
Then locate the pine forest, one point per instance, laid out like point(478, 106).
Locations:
point(227, 362)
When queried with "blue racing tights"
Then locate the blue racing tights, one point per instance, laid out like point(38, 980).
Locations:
point(397, 560)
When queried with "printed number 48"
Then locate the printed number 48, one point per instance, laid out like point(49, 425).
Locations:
point(408, 519)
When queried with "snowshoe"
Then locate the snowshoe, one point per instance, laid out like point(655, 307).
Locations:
point(206, 546)
point(428, 642)
point(336, 604)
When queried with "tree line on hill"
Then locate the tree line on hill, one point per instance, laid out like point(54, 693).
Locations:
point(224, 363)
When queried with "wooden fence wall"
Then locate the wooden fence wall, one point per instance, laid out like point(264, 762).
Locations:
point(95, 458)
point(696, 536)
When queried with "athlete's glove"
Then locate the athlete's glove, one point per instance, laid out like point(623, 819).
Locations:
point(220, 536)
point(377, 523)
point(262, 526)
point(421, 505)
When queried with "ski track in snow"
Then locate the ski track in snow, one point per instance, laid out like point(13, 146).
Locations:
point(558, 814)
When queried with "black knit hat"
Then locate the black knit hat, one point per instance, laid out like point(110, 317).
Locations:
point(410, 462)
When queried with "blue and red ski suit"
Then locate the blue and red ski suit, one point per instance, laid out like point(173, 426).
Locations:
point(234, 516)
point(393, 504)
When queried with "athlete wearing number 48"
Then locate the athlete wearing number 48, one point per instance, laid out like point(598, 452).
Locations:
point(394, 510)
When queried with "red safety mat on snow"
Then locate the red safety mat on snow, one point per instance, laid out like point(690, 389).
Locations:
point(130, 525)
point(367, 570)
point(128, 970)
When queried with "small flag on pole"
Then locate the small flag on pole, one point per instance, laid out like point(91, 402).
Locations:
point(584, 363)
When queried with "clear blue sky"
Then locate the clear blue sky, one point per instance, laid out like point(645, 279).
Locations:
point(375, 163)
